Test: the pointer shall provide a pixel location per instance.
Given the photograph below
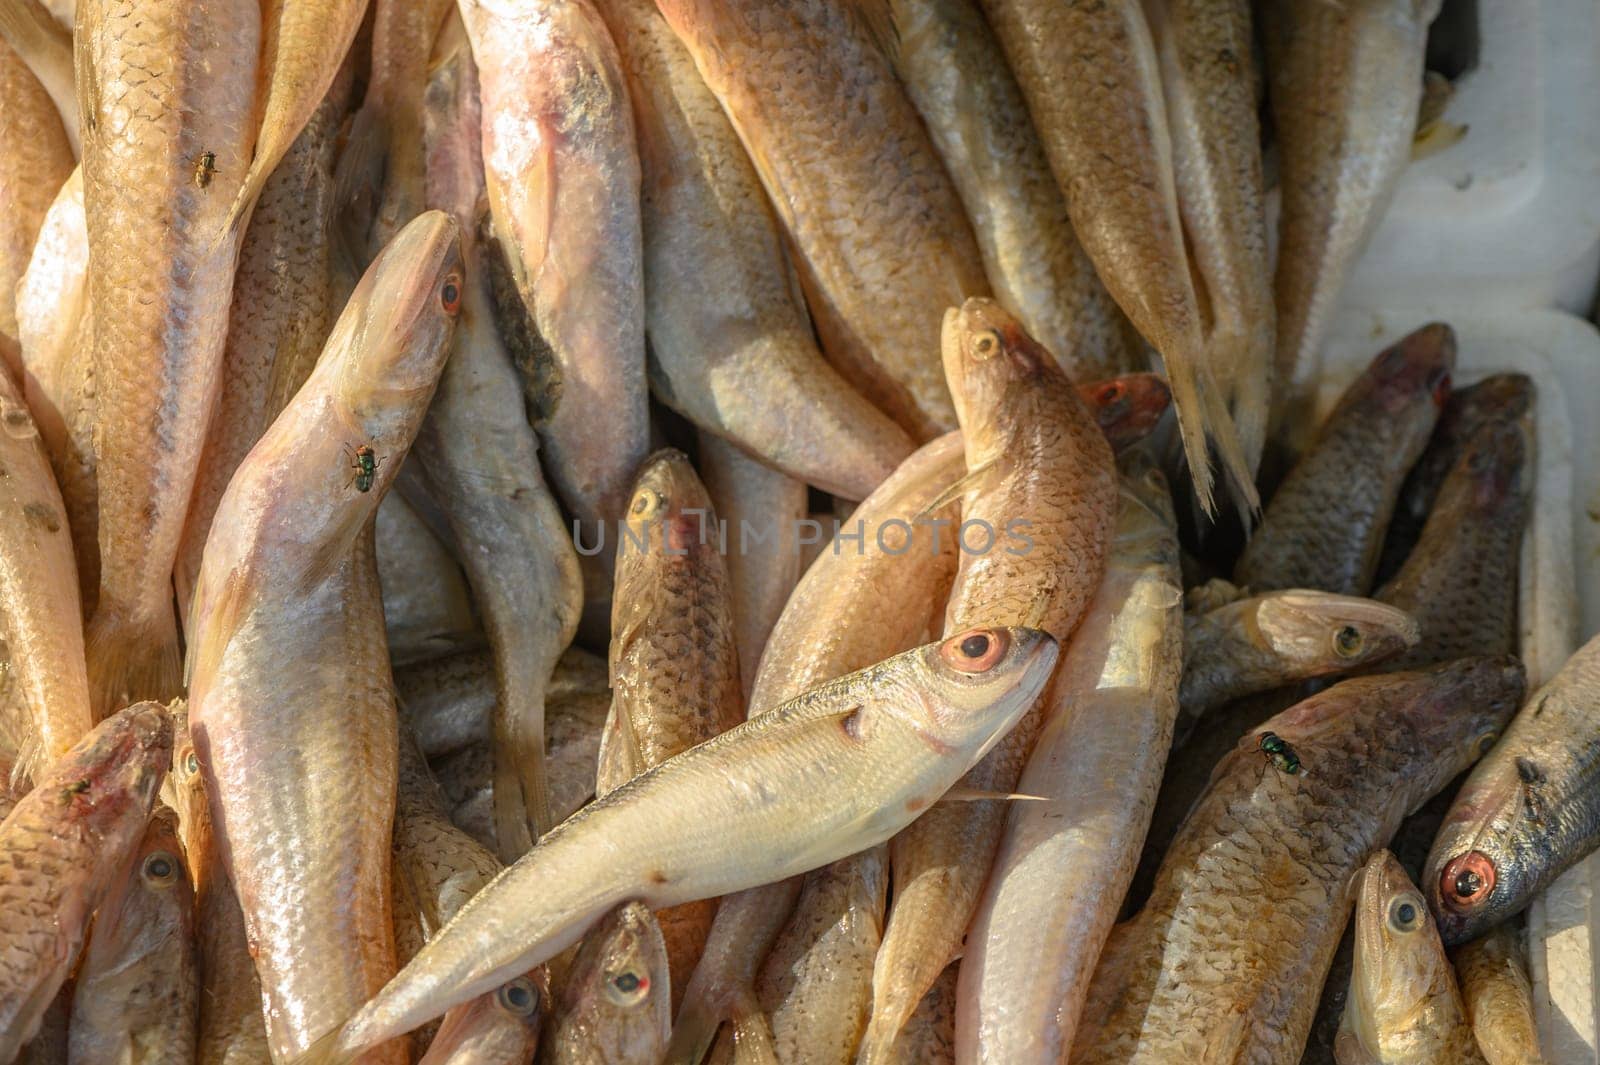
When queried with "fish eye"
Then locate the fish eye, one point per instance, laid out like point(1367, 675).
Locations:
point(450, 294)
point(160, 870)
point(977, 651)
point(641, 502)
point(1481, 745)
point(1467, 880)
point(518, 998)
point(987, 345)
point(628, 988)
point(190, 762)
point(1347, 641)
point(1405, 915)
point(1111, 392)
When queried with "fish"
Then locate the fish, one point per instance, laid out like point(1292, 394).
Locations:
point(759, 509)
point(35, 161)
point(1404, 1005)
point(1112, 154)
point(501, 1027)
point(616, 1007)
point(1206, 52)
point(1203, 973)
point(881, 242)
point(29, 32)
point(850, 609)
point(1263, 642)
point(278, 318)
point(1063, 864)
point(136, 1000)
point(1526, 814)
point(1345, 83)
point(56, 368)
point(816, 984)
point(1508, 396)
point(448, 701)
point(928, 713)
point(287, 618)
point(1041, 472)
point(479, 458)
point(731, 346)
point(957, 76)
point(1127, 408)
point(929, 1035)
point(62, 848)
point(159, 289)
point(562, 168)
point(1498, 999)
point(1324, 527)
point(427, 609)
point(303, 43)
point(39, 605)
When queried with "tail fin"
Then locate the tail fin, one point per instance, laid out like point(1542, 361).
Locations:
point(1225, 435)
point(132, 659)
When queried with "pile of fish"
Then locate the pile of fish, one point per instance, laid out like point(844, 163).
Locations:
point(748, 531)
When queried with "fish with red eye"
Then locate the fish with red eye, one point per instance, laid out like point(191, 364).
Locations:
point(1467, 881)
point(450, 294)
point(974, 651)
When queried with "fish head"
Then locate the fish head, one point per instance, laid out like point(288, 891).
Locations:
point(618, 988)
point(116, 767)
point(1127, 408)
point(1491, 477)
point(499, 1025)
point(184, 789)
point(1328, 633)
point(1459, 709)
point(1399, 963)
point(149, 911)
point(989, 359)
point(669, 508)
point(974, 686)
point(1502, 395)
point(1412, 376)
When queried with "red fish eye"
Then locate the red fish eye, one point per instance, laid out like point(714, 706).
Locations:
point(977, 651)
point(1467, 881)
point(1111, 392)
point(450, 294)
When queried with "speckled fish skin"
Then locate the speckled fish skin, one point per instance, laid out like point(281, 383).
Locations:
point(615, 1008)
point(763, 568)
point(1204, 972)
point(1404, 1007)
point(1112, 155)
point(30, 33)
point(1263, 642)
point(1460, 581)
point(650, 841)
point(882, 243)
point(1324, 528)
point(164, 83)
point(1528, 812)
point(39, 606)
point(448, 701)
point(1035, 457)
point(279, 317)
point(1508, 396)
point(1498, 997)
point(62, 848)
point(1345, 82)
point(563, 178)
point(730, 343)
point(288, 582)
point(136, 1000)
point(1063, 865)
point(1207, 54)
point(957, 76)
point(480, 459)
point(35, 159)
point(851, 608)
point(303, 43)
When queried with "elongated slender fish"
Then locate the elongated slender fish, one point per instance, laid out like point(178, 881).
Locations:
point(479, 457)
point(1324, 528)
point(1092, 79)
point(562, 169)
point(1207, 970)
point(303, 42)
point(956, 75)
point(881, 240)
point(1064, 864)
point(1041, 489)
point(29, 33)
point(1345, 82)
point(731, 347)
point(161, 93)
point(1529, 811)
point(136, 1000)
point(1498, 998)
point(35, 159)
point(1255, 644)
point(902, 731)
point(61, 850)
point(1206, 50)
point(1404, 1007)
point(616, 1007)
point(277, 322)
point(288, 621)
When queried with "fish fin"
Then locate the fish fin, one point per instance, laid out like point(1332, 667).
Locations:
point(516, 824)
point(1349, 1050)
point(956, 490)
point(222, 620)
point(1187, 399)
point(960, 794)
point(694, 1030)
point(878, 17)
point(326, 1050)
point(1226, 1042)
point(131, 659)
point(1225, 435)
point(752, 1038)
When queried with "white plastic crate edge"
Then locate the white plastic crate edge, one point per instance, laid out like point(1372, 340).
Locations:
point(1560, 585)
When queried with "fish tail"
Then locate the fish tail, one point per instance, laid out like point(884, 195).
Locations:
point(1186, 398)
point(521, 798)
point(752, 1039)
point(132, 658)
point(877, 1046)
point(697, 1024)
point(1225, 435)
